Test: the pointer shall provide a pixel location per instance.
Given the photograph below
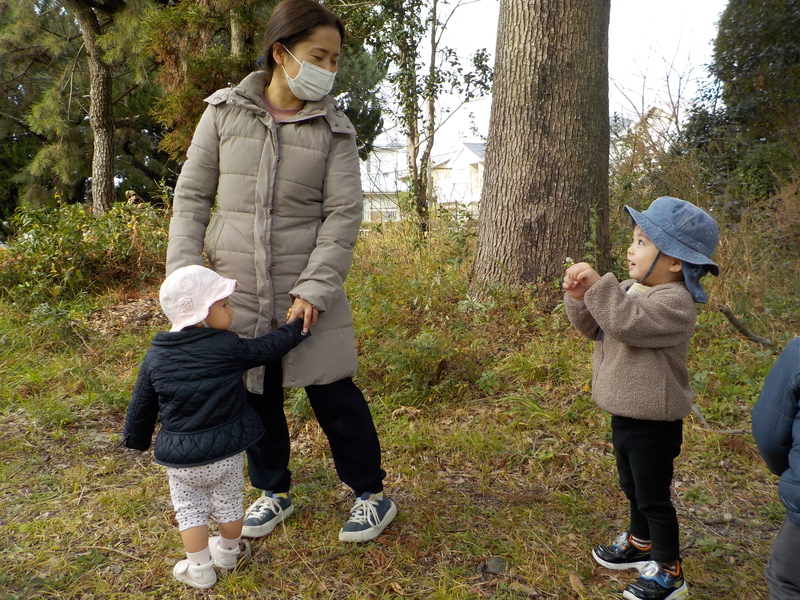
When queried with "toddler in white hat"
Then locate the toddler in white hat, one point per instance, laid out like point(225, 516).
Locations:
point(192, 377)
point(191, 293)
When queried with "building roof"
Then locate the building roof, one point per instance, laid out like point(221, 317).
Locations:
point(477, 148)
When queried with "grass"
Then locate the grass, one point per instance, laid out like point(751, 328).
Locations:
point(491, 442)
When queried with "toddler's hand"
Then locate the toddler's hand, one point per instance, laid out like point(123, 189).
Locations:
point(579, 278)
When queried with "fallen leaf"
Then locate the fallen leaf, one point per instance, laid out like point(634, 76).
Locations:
point(576, 583)
point(397, 589)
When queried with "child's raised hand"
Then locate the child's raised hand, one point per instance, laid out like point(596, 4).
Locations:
point(579, 278)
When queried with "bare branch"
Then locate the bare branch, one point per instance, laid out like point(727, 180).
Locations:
point(742, 328)
point(696, 412)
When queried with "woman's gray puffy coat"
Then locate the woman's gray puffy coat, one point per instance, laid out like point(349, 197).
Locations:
point(287, 207)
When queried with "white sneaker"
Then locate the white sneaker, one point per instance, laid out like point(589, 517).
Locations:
point(198, 576)
point(222, 557)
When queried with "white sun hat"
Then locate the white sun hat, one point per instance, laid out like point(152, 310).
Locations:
point(188, 293)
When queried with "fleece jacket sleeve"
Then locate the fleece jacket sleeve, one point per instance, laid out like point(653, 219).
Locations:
point(660, 318)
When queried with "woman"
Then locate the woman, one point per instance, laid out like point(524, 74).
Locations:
point(276, 159)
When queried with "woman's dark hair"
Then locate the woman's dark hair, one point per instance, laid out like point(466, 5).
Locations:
point(292, 21)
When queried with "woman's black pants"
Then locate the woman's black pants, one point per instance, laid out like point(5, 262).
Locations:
point(343, 415)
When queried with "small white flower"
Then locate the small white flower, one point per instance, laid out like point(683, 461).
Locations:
point(185, 305)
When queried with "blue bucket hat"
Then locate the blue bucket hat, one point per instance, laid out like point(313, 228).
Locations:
point(683, 231)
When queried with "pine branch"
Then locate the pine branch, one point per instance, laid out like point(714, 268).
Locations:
point(106, 7)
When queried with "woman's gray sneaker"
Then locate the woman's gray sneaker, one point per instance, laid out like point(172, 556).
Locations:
point(266, 513)
point(368, 518)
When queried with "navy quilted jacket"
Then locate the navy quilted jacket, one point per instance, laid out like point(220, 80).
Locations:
point(776, 426)
point(193, 378)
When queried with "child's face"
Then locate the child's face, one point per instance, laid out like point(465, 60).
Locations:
point(641, 254)
point(219, 315)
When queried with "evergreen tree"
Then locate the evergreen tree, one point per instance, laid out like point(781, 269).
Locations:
point(201, 47)
point(757, 60)
point(745, 126)
point(45, 104)
point(39, 137)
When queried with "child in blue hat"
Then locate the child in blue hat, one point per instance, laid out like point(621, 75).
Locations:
point(642, 327)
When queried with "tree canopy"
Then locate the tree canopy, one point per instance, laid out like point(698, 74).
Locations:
point(45, 104)
point(757, 61)
point(745, 126)
point(157, 60)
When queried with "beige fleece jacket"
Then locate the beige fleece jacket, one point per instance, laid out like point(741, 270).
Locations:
point(640, 359)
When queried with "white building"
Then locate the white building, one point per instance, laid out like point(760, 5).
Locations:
point(456, 180)
point(383, 178)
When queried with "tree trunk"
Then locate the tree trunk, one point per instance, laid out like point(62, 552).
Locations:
point(100, 107)
point(239, 34)
point(545, 193)
point(410, 116)
point(424, 191)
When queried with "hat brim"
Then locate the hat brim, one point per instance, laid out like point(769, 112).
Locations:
point(669, 245)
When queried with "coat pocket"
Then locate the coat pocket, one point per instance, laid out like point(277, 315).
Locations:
point(213, 232)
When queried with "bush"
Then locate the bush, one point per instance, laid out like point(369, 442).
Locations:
point(423, 340)
point(60, 255)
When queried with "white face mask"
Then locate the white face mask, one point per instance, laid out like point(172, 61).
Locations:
point(311, 83)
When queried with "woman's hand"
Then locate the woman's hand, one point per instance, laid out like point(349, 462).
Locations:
point(305, 310)
point(579, 278)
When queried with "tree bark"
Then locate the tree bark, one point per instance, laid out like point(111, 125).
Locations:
point(545, 194)
point(239, 34)
point(424, 191)
point(100, 107)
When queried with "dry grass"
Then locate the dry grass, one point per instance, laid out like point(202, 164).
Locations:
point(82, 520)
point(492, 445)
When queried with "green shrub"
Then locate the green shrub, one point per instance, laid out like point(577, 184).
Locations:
point(67, 253)
point(424, 341)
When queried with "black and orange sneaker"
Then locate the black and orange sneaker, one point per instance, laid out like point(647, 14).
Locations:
point(657, 582)
point(622, 554)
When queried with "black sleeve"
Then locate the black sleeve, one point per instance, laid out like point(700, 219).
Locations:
point(140, 420)
point(272, 346)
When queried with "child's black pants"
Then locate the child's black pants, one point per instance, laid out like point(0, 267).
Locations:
point(645, 453)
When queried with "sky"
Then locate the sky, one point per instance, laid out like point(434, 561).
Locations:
point(657, 51)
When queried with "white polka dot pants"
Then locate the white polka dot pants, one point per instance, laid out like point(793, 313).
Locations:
point(214, 490)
